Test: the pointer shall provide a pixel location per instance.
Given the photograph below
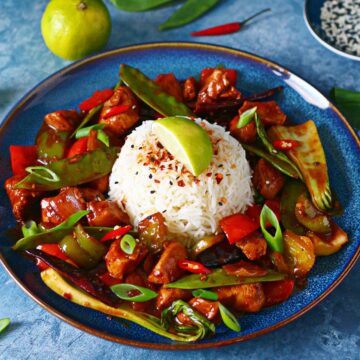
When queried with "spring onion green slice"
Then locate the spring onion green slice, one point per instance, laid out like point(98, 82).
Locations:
point(4, 323)
point(268, 216)
point(86, 130)
point(229, 319)
point(246, 117)
point(128, 244)
point(30, 228)
point(101, 136)
point(122, 291)
point(205, 294)
point(41, 172)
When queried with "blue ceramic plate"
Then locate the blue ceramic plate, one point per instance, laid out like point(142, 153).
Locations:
point(67, 88)
point(312, 10)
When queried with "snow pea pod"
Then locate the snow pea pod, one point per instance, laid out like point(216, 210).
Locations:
point(151, 93)
point(220, 278)
point(139, 5)
point(279, 164)
point(73, 171)
point(270, 148)
point(50, 236)
point(191, 10)
point(290, 194)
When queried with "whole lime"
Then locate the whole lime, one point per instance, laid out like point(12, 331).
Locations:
point(73, 29)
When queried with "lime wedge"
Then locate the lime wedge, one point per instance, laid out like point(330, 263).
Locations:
point(187, 141)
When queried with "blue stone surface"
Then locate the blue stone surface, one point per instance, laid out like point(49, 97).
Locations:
point(331, 330)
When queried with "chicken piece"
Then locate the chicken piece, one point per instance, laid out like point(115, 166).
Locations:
point(121, 123)
point(23, 201)
point(119, 263)
point(244, 269)
point(254, 246)
point(167, 296)
point(267, 180)
point(210, 309)
point(190, 89)
point(170, 85)
point(106, 213)
point(70, 200)
point(139, 278)
point(218, 86)
point(63, 120)
point(166, 270)
point(269, 112)
point(101, 184)
point(246, 134)
point(247, 297)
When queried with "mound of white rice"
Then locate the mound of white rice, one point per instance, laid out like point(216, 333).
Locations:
point(146, 179)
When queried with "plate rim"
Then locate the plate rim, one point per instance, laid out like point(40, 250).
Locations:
point(312, 31)
point(176, 346)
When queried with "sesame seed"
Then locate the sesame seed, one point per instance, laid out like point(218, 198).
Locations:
point(116, 182)
point(220, 203)
point(150, 176)
point(137, 173)
point(152, 192)
point(132, 146)
point(171, 183)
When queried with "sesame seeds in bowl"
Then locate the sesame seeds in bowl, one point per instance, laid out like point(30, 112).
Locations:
point(336, 25)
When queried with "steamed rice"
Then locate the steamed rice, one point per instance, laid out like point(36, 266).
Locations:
point(146, 179)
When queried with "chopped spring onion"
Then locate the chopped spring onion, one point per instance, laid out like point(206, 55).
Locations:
point(30, 228)
point(122, 291)
point(205, 294)
point(4, 323)
point(41, 172)
point(229, 319)
point(246, 117)
point(268, 216)
point(100, 133)
point(128, 244)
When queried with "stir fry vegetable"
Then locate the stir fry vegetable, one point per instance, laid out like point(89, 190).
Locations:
point(72, 171)
point(219, 277)
point(152, 94)
point(310, 158)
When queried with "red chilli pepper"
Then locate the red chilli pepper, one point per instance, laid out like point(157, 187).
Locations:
point(109, 280)
point(22, 157)
point(193, 267)
point(287, 144)
point(228, 28)
point(96, 99)
point(238, 226)
point(254, 210)
point(79, 147)
point(54, 250)
point(116, 110)
point(117, 232)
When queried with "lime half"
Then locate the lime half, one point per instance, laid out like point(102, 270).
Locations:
point(187, 141)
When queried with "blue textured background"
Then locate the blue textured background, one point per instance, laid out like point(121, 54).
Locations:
point(331, 330)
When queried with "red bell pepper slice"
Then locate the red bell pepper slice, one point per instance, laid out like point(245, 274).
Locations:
point(96, 99)
point(109, 280)
point(254, 210)
point(193, 267)
point(116, 233)
point(277, 291)
point(284, 145)
point(54, 250)
point(79, 147)
point(21, 157)
point(116, 110)
point(231, 75)
point(238, 226)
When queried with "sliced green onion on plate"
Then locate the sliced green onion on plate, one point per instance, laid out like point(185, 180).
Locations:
point(128, 244)
point(205, 294)
point(41, 172)
point(4, 323)
point(229, 319)
point(122, 291)
point(275, 241)
point(246, 117)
